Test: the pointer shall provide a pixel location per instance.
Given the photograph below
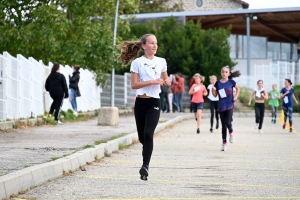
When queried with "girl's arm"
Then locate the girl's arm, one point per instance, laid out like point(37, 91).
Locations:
point(295, 99)
point(214, 91)
point(250, 99)
point(135, 84)
point(205, 91)
point(282, 95)
point(265, 95)
point(192, 90)
point(166, 79)
point(237, 93)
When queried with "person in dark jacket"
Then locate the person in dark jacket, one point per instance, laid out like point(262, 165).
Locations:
point(74, 89)
point(164, 96)
point(56, 85)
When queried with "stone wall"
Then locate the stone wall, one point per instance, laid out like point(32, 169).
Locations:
point(190, 5)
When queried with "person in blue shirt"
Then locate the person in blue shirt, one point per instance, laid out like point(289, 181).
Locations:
point(224, 89)
point(287, 94)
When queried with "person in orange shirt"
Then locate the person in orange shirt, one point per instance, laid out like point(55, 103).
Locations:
point(198, 91)
point(192, 82)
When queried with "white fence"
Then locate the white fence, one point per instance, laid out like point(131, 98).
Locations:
point(22, 92)
point(274, 73)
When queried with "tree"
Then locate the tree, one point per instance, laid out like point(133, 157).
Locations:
point(187, 48)
point(65, 31)
point(154, 6)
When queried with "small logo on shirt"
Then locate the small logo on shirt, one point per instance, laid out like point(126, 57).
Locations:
point(156, 108)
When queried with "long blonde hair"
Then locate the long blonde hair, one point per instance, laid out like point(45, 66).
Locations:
point(130, 49)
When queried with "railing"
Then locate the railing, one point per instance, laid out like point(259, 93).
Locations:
point(22, 93)
point(274, 73)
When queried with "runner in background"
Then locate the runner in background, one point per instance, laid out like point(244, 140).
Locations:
point(273, 102)
point(213, 103)
point(224, 89)
point(198, 91)
point(287, 94)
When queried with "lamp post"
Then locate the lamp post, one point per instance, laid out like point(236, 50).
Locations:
point(113, 69)
point(248, 48)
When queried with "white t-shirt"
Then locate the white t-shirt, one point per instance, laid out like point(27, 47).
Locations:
point(210, 95)
point(149, 70)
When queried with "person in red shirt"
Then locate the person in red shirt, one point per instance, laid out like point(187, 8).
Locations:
point(198, 91)
point(179, 84)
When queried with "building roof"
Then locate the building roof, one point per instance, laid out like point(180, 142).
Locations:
point(243, 3)
point(278, 24)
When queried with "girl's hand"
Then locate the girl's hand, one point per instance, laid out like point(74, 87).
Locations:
point(249, 104)
point(214, 88)
point(235, 99)
point(167, 82)
point(286, 92)
point(296, 102)
point(158, 81)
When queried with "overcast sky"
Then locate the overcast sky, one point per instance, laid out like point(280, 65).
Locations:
point(272, 3)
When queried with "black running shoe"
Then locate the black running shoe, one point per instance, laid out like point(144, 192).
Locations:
point(211, 130)
point(291, 129)
point(198, 130)
point(217, 125)
point(144, 173)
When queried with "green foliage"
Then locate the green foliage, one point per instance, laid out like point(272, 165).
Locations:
point(61, 31)
point(187, 48)
point(153, 6)
point(297, 95)
point(244, 97)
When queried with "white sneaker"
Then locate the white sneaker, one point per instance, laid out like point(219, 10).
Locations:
point(256, 125)
point(260, 131)
point(59, 122)
point(231, 139)
point(224, 147)
point(75, 113)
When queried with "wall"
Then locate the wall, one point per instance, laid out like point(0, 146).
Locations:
point(190, 5)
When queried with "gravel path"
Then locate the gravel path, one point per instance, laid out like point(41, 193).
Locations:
point(186, 165)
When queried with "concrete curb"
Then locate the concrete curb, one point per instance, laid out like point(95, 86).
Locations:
point(33, 122)
point(24, 179)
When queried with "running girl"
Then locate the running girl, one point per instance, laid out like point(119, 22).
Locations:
point(273, 102)
point(198, 90)
point(287, 104)
point(260, 95)
point(213, 103)
point(146, 73)
point(224, 89)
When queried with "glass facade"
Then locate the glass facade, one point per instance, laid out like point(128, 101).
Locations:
point(260, 48)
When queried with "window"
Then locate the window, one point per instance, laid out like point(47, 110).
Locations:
point(235, 46)
point(199, 3)
point(258, 47)
point(274, 50)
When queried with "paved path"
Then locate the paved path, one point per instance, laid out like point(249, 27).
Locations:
point(186, 165)
point(35, 145)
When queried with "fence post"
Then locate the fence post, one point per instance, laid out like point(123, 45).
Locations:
point(125, 90)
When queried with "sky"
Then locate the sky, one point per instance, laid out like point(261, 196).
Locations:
point(256, 4)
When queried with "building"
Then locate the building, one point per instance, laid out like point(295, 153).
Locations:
point(274, 40)
point(208, 5)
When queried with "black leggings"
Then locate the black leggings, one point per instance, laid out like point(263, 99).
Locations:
point(259, 114)
point(56, 105)
point(226, 119)
point(146, 112)
point(213, 110)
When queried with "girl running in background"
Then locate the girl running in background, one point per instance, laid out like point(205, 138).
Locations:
point(198, 90)
point(148, 72)
point(260, 95)
point(273, 102)
point(213, 103)
point(287, 93)
point(224, 89)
